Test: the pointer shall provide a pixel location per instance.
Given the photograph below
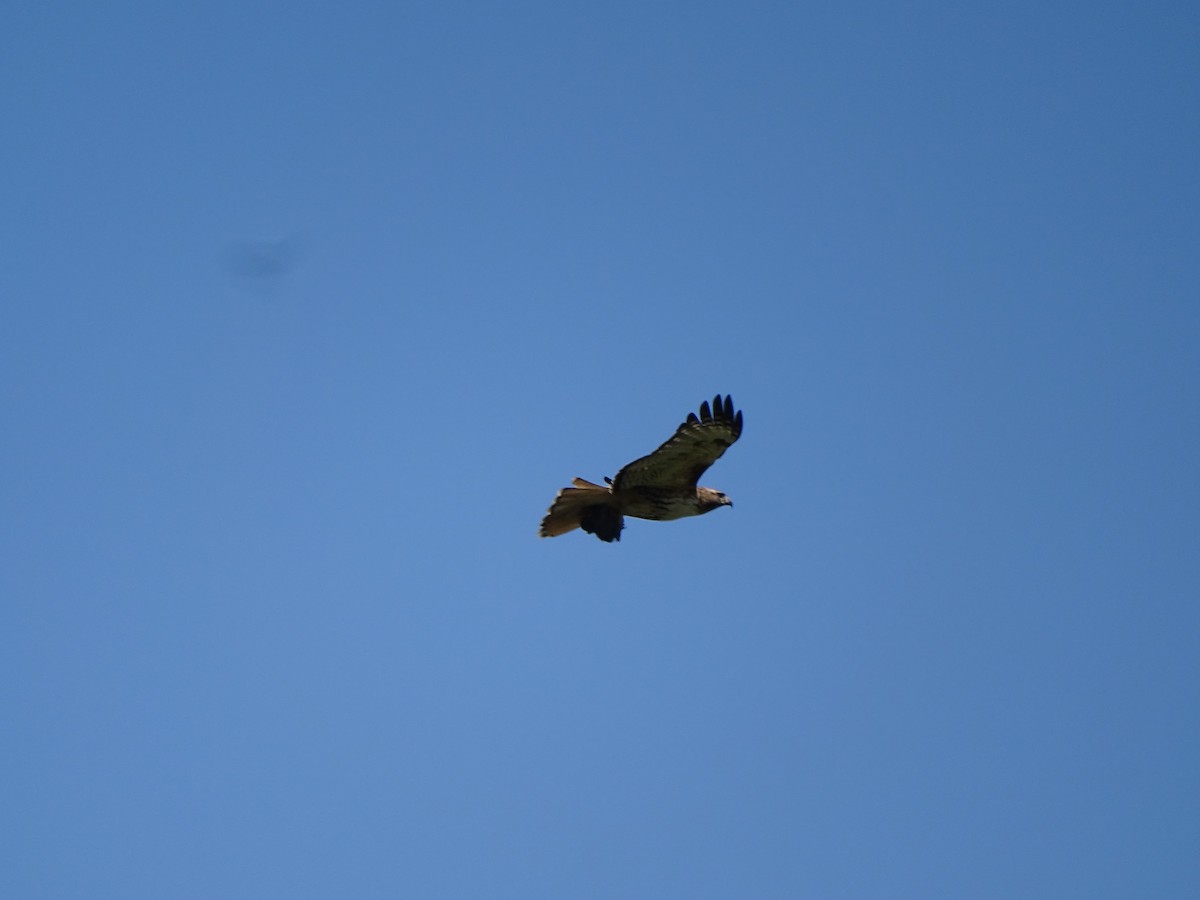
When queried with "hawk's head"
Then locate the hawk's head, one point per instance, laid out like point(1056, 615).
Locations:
point(710, 499)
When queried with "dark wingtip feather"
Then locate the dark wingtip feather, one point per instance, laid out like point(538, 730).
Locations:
point(723, 410)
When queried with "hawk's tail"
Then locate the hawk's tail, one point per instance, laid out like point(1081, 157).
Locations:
point(587, 506)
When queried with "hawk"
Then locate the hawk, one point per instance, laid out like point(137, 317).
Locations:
point(660, 486)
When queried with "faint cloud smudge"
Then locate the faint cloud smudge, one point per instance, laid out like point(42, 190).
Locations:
point(263, 261)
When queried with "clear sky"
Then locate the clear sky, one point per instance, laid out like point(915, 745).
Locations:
point(309, 310)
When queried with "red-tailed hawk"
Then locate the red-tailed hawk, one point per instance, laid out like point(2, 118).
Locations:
point(659, 486)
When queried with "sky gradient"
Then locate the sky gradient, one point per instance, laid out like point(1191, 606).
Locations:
point(308, 313)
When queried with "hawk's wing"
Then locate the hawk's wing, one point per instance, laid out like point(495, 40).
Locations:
point(696, 445)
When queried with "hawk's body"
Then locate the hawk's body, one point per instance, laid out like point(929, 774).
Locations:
point(660, 486)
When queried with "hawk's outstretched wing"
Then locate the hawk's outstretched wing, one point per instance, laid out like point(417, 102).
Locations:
point(696, 445)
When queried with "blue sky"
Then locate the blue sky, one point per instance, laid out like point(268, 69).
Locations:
point(308, 312)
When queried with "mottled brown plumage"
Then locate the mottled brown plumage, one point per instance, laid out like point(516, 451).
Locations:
point(660, 486)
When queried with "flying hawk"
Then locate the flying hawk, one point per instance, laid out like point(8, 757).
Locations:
point(659, 486)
